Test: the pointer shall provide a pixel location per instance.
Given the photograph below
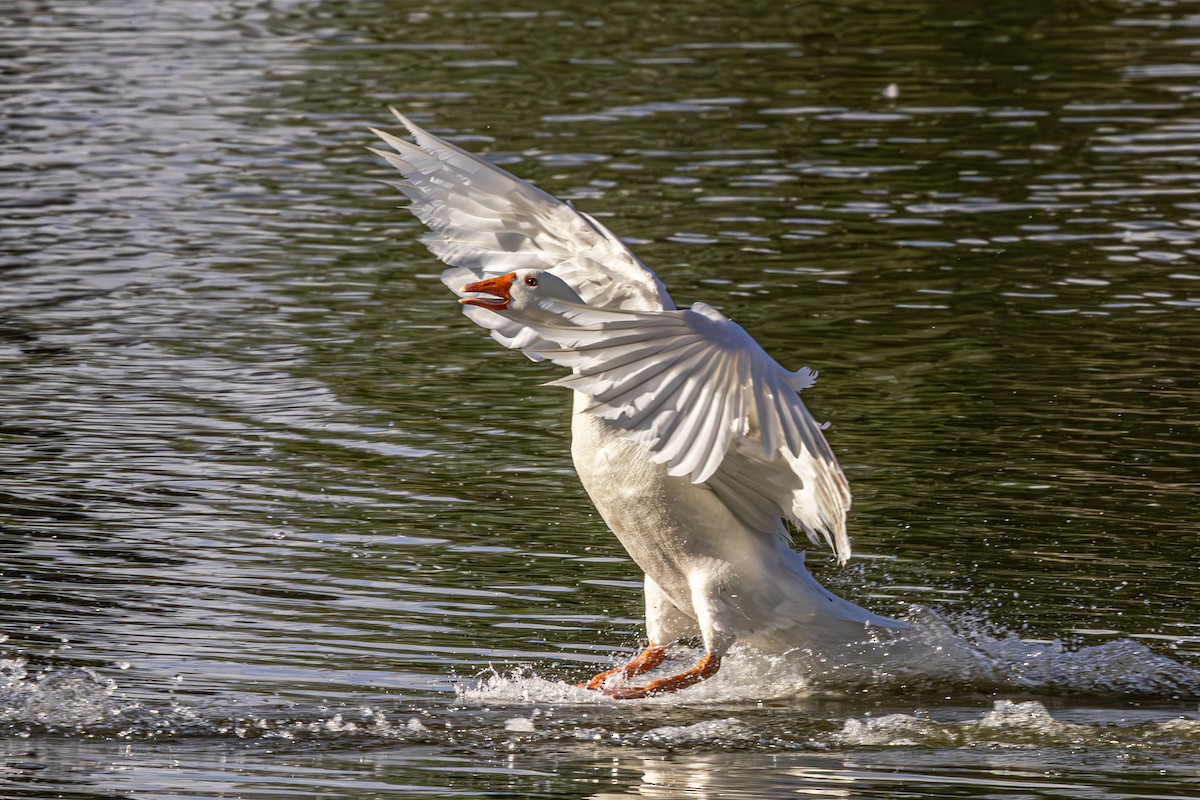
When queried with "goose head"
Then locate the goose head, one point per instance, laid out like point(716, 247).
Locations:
point(524, 292)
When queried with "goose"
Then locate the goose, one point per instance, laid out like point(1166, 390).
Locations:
point(691, 441)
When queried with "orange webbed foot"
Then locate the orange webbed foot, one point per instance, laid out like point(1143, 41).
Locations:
point(645, 661)
point(705, 668)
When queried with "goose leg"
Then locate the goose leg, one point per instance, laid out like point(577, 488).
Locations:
point(645, 661)
point(705, 668)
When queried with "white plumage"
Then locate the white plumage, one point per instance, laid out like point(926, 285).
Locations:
point(692, 442)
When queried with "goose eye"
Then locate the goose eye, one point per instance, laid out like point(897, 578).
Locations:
point(530, 280)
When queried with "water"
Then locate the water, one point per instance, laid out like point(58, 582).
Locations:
point(278, 522)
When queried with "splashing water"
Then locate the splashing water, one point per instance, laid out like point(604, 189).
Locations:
point(1011, 724)
point(79, 700)
point(1138, 692)
point(930, 656)
point(61, 698)
point(520, 705)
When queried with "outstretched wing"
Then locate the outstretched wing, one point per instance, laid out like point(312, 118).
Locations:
point(710, 404)
point(488, 222)
point(691, 385)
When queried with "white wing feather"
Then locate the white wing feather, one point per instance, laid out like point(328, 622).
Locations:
point(489, 222)
point(710, 404)
point(691, 385)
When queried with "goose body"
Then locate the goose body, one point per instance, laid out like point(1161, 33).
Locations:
point(707, 572)
point(690, 440)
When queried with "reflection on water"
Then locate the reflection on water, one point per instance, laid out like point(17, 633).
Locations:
point(269, 502)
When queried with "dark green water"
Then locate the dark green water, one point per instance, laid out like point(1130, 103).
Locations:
point(277, 522)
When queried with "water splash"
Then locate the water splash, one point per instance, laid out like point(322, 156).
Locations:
point(937, 654)
point(80, 700)
point(722, 730)
point(68, 697)
point(895, 730)
point(959, 659)
point(523, 685)
point(745, 674)
point(1122, 666)
point(1011, 724)
point(1008, 723)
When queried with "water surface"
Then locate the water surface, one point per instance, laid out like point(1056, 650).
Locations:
point(278, 521)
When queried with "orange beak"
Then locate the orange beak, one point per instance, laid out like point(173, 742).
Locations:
point(497, 287)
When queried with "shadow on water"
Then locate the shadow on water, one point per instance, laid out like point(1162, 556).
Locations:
point(274, 519)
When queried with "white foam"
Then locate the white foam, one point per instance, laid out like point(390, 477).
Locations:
point(892, 730)
point(1030, 716)
point(932, 655)
point(68, 697)
point(1010, 724)
point(522, 685)
point(745, 674)
point(1120, 666)
point(519, 725)
point(729, 728)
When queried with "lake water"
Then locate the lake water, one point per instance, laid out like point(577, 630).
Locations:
point(279, 523)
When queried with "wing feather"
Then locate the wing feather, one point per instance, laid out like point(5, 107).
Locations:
point(711, 405)
point(691, 385)
point(484, 219)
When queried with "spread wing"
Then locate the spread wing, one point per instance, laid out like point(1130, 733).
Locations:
point(691, 385)
point(710, 404)
point(485, 221)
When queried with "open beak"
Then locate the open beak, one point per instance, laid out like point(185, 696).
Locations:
point(497, 287)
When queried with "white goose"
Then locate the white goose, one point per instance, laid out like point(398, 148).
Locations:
point(691, 441)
